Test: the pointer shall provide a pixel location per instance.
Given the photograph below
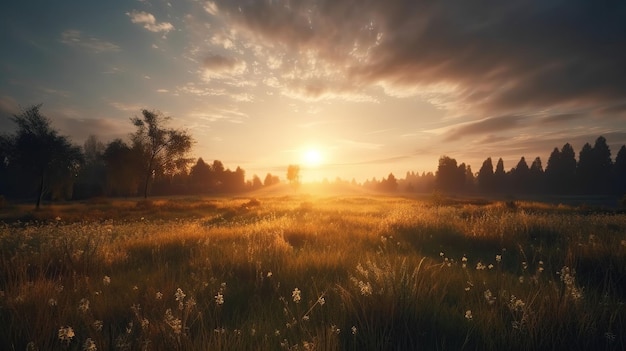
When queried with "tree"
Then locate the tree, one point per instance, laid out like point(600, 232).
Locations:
point(499, 177)
point(47, 160)
point(619, 172)
point(585, 169)
point(536, 176)
point(561, 170)
point(485, 176)
point(123, 169)
point(201, 176)
point(293, 175)
point(390, 184)
point(92, 176)
point(603, 165)
point(270, 180)
point(163, 149)
point(520, 176)
point(449, 176)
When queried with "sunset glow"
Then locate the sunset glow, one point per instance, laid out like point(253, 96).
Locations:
point(312, 158)
point(388, 86)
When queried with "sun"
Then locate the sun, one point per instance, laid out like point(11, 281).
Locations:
point(312, 157)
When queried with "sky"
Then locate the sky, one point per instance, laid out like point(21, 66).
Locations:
point(367, 87)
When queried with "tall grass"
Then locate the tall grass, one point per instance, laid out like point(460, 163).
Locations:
point(305, 273)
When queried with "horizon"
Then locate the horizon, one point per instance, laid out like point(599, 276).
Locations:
point(344, 91)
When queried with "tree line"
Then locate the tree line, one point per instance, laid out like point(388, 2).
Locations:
point(593, 173)
point(36, 162)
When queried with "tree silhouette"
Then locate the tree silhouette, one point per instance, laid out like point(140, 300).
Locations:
point(485, 176)
point(520, 177)
point(585, 171)
point(619, 172)
point(449, 177)
point(536, 176)
point(602, 166)
point(201, 176)
point(499, 177)
point(561, 170)
point(293, 175)
point(270, 180)
point(162, 149)
point(42, 155)
point(123, 169)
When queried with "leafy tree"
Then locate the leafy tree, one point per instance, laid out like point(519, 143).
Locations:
point(270, 180)
point(47, 160)
point(256, 182)
point(123, 169)
point(92, 176)
point(201, 176)
point(449, 177)
point(293, 175)
point(485, 176)
point(163, 149)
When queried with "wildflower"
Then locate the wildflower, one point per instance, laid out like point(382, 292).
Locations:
point(173, 322)
point(366, 288)
point(277, 332)
point(52, 302)
point(490, 266)
point(159, 295)
point(521, 279)
point(135, 288)
point(321, 301)
point(516, 304)
point(524, 265)
point(106, 280)
point(66, 334)
point(353, 330)
point(219, 298)
point(97, 325)
point(498, 258)
point(83, 305)
point(57, 218)
point(89, 345)
point(296, 295)
point(489, 297)
point(441, 254)
point(191, 303)
point(305, 317)
point(180, 295)
point(480, 266)
point(269, 274)
point(464, 260)
point(468, 315)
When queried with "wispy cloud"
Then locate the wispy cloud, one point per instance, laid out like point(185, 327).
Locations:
point(76, 38)
point(149, 21)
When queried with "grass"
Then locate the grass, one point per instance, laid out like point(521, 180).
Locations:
point(311, 273)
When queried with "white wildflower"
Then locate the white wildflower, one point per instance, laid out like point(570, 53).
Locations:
point(66, 334)
point(295, 294)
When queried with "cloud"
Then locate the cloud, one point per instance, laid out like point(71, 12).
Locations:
point(495, 58)
point(76, 39)
point(149, 21)
point(217, 66)
point(487, 125)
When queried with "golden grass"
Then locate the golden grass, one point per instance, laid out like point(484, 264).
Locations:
point(373, 273)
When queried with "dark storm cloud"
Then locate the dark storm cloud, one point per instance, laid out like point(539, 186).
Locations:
point(499, 55)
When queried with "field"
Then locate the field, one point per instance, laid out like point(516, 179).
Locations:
point(300, 272)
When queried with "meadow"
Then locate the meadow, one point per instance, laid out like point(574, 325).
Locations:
point(302, 272)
